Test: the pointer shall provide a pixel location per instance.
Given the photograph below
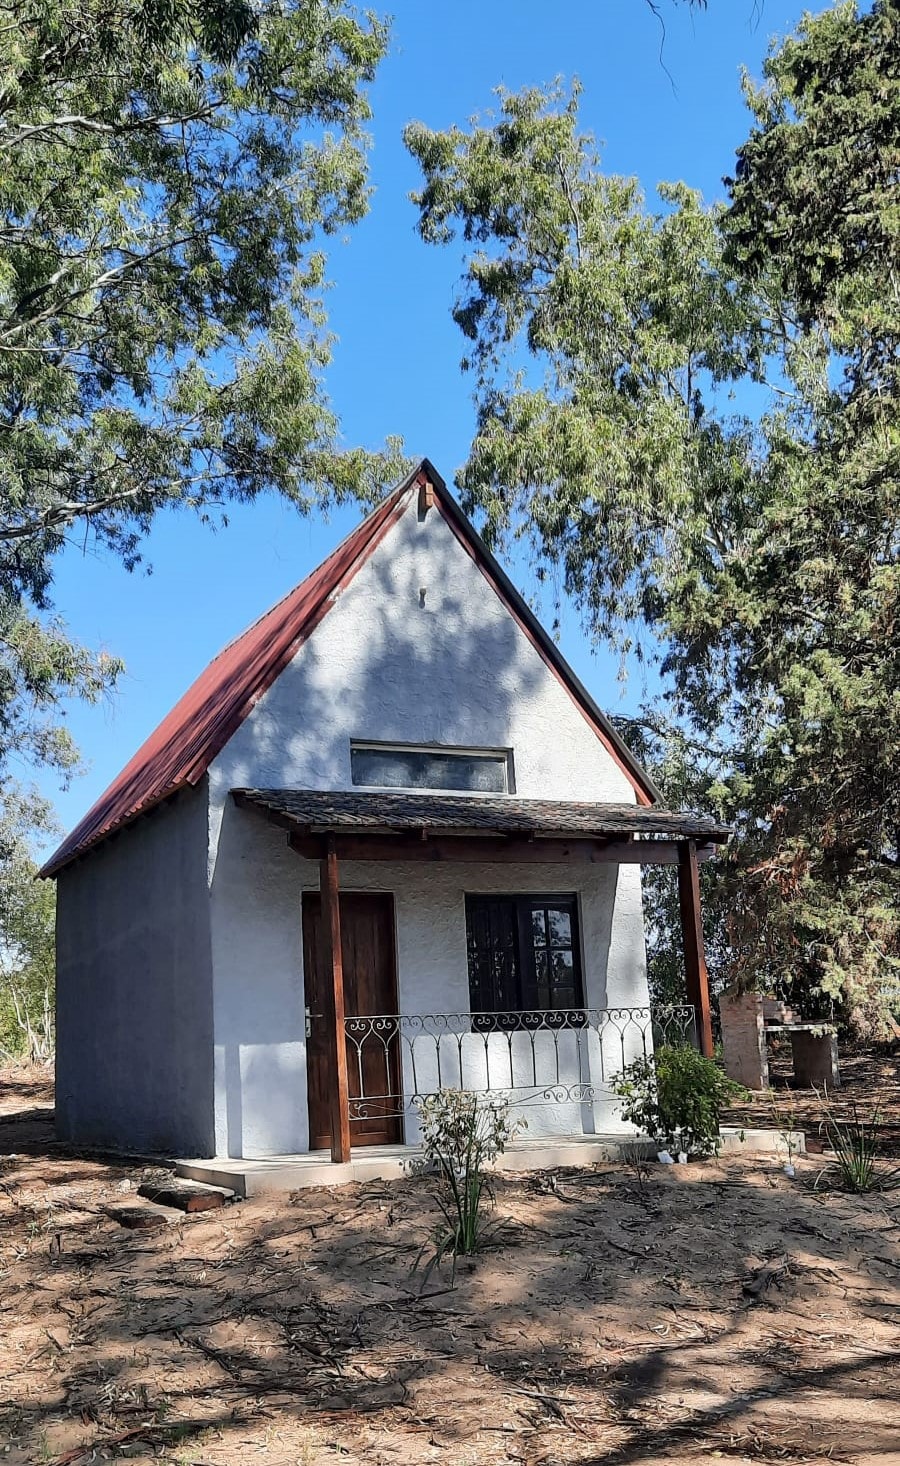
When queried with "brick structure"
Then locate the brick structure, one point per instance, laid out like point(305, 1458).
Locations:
point(747, 1019)
point(744, 1039)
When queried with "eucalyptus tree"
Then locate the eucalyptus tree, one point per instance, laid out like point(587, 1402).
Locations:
point(170, 174)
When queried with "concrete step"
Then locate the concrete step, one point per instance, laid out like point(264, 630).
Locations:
point(256, 1176)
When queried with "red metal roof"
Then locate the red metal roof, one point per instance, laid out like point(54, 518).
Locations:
point(184, 745)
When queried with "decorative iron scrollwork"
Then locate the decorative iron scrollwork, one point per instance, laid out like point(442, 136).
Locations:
point(533, 1057)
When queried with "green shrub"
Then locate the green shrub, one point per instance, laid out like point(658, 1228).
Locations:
point(676, 1097)
point(461, 1136)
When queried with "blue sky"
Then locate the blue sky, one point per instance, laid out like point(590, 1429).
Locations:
point(396, 359)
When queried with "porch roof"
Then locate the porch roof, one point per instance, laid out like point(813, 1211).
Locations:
point(314, 812)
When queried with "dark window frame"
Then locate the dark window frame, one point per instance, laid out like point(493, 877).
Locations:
point(506, 987)
point(501, 758)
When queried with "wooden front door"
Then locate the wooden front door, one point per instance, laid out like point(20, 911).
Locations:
point(370, 988)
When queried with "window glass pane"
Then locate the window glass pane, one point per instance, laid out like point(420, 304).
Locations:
point(412, 768)
point(542, 972)
point(563, 987)
point(493, 955)
point(523, 959)
point(560, 926)
point(562, 967)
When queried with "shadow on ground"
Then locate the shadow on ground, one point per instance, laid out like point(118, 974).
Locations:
point(677, 1314)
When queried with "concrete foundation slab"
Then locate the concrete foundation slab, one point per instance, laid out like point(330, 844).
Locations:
point(248, 1178)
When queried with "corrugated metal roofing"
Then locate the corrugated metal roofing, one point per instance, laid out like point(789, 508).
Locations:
point(184, 745)
point(312, 811)
point(181, 749)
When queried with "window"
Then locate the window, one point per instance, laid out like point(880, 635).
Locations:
point(404, 766)
point(523, 958)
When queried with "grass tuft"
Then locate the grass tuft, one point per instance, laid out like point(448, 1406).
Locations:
point(856, 1166)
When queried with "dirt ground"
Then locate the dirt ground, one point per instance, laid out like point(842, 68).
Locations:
point(709, 1312)
point(870, 1081)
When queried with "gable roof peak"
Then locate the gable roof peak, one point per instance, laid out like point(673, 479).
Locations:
point(180, 750)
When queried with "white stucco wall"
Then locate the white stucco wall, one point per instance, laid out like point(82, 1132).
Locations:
point(382, 666)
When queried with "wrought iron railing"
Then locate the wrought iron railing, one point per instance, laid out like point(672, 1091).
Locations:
point(548, 1058)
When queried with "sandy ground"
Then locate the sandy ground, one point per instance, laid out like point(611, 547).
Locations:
point(686, 1314)
point(870, 1083)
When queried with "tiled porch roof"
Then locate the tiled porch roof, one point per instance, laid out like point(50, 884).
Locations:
point(315, 811)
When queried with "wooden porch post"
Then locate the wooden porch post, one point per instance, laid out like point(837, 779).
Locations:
point(696, 975)
point(331, 928)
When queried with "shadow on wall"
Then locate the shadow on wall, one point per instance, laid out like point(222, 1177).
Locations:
point(382, 664)
point(134, 1011)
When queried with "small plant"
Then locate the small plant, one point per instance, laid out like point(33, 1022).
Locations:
point(461, 1136)
point(676, 1097)
point(788, 1125)
point(634, 1156)
point(855, 1145)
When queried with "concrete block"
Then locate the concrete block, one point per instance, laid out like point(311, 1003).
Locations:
point(137, 1218)
point(736, 1140)
point(199, 1197)
point(815, 1060)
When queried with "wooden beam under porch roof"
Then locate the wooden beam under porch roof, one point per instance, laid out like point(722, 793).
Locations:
point(428, 845)
point(329, 827)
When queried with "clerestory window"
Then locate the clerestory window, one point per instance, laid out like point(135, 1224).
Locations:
point(408, 766)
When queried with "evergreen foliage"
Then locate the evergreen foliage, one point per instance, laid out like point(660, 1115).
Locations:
point(27, 919)
point(695, 413)
point(170, 171)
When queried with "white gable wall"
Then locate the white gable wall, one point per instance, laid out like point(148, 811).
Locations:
point(383, 665)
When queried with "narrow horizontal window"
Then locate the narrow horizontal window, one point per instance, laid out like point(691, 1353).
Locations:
point(400, 766)
point(524, 961)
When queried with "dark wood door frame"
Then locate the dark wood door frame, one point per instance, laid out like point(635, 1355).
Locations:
point(336, 998)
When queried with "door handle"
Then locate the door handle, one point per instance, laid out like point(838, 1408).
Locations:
point(309, 1018)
